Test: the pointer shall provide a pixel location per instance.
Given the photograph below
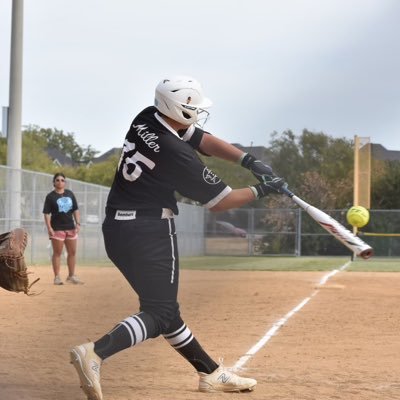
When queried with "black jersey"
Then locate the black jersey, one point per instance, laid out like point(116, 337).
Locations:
point(61, 207)
point(156, 161)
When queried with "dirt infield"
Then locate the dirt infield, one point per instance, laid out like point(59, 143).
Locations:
point(343, 344)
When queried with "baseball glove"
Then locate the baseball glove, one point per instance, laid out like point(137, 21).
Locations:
point(13, 271)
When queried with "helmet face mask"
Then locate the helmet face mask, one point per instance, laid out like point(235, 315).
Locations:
point(181, 99)
point(202, 117)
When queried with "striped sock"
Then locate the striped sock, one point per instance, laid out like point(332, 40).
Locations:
point(129, 332)
point(181, 337)
point(136, 329)
point(183, 341)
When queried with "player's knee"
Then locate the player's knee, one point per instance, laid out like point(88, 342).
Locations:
point(163, 314)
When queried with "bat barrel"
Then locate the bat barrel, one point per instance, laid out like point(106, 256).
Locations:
point(367, 253)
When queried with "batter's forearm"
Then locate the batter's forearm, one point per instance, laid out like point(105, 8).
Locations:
point(236, 198)
point(213, 146)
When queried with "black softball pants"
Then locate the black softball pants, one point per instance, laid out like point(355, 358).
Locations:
point(145, 251)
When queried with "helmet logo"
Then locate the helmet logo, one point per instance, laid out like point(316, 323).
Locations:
point(189, 99)
point(189, 107)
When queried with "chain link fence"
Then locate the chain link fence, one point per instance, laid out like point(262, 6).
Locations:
point(247, 232)
point(292, 232)
point(91, 201)
point(34, 188)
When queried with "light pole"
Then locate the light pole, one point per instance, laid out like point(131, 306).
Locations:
point(14, 139)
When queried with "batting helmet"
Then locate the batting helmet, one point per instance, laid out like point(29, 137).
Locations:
point(181, 98)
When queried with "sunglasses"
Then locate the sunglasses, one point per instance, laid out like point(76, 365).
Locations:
point(60, 180)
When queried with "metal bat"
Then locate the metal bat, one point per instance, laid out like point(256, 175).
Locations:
point(353, 242)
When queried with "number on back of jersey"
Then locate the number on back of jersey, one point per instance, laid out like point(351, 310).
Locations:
point(131, 170)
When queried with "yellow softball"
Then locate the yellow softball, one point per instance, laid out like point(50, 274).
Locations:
point(357, 216)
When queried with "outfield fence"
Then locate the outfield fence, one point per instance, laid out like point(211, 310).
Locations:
point(242, 231)
point(294, 232)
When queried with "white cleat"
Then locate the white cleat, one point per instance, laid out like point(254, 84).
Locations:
point(224, 380)
point(87, 363)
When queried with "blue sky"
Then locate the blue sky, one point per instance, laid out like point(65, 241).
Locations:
point(91, 65)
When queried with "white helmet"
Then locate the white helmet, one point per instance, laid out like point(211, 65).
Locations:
point(181, 98)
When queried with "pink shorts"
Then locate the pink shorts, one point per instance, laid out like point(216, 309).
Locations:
point(65, 235)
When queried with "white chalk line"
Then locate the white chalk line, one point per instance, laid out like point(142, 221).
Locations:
point(278, 324)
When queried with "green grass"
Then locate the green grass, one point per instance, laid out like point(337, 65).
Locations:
point(259, 263)
point(376, 265)
point(263, 263)
point(287, 264)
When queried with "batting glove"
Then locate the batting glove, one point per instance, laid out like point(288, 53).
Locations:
point(261, 171)
point(275, 185)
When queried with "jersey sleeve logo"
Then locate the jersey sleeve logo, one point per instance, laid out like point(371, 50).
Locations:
point(210, 177)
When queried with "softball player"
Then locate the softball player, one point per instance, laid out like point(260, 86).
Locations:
point(158, 158)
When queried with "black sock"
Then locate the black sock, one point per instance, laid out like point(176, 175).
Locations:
point(183, 341)
point(129, 332)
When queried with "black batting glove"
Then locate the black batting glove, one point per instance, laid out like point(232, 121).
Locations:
point(261, 171)
point(275, 186)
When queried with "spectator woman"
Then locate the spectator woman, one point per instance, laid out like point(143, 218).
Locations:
point(62, 219)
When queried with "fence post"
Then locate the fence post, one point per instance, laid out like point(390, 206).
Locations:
point(298, 233)
point(33, 216)
point(250, 230)
point(84, 217)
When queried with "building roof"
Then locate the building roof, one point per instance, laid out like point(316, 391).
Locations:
point(379, 152)
point(105, 156)
point(59, 157)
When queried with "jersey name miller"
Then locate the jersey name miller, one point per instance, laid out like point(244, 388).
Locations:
point(148, 137)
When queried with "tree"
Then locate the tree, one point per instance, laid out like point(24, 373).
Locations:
point(385, 185)
point(315, 163)
point(318, 168)
point(100, 173)
point(285, 156)
point(36, 141)
point(34, 157)
point(65, 142)
point(3, 151)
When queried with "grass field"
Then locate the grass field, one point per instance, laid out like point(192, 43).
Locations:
point(288, 263)
point(259, 263)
